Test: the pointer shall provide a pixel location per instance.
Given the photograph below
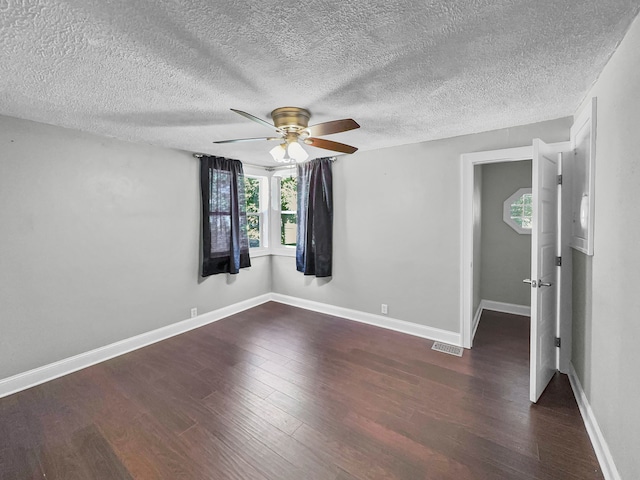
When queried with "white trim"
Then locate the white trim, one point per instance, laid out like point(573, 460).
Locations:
point(565, 306)
point(503, 307)
point(263, 213)
point(469, 160)
point(587, 119)
point(607, 465)
point(502, 155)
point(283, 251)
point(276, 247)
point(43, 374)
point(255, 171)
point(476, 321)
point(382, 321)
point(259, 252)
point(39, 375)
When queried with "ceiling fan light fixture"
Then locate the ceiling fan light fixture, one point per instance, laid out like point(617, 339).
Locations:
point(278, 153)
point(296, 152)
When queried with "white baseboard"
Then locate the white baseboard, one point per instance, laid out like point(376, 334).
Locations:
point(43, 374)
point(476, 321)
point(39, 375)
point(502, 307)
point(607, 465)
point(415, 329)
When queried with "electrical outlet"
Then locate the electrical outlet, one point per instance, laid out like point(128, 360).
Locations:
point(384, 309)
point(194, 312)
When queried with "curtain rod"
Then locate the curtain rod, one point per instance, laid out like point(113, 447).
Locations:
point(266, 167)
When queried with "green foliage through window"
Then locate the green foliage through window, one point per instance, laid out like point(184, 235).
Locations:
point(288, 194)
point(252, 194)
point(522, 211)
point(252, 197)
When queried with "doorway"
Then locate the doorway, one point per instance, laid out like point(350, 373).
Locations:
point(471, 229)
point(545, 292)
point(502, 239)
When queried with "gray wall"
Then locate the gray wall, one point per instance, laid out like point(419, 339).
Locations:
point(581, 325)
point(397, 228)
point(99, 242)
point(506, 254)
point(606, 320)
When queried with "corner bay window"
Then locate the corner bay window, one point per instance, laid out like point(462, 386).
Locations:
point(271, 206)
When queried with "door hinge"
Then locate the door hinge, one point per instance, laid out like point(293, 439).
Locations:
point(558, 261)
point(559, 179)
point(558, 342)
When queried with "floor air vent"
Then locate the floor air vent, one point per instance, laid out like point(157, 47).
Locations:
point(446, 348)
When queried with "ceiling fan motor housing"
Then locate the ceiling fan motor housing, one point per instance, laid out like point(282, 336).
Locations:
point(291, 118)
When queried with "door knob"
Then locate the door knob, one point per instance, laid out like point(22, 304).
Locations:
point(530, 282)
point(544, 284)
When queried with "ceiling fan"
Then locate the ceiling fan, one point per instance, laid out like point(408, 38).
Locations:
point(291, 125)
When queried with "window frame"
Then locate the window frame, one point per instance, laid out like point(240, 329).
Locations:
point(263, 211)
point(277, 248)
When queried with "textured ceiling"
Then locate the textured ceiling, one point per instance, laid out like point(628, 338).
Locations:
point(166, 72)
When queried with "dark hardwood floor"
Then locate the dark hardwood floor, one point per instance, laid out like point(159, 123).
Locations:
point(282, 393)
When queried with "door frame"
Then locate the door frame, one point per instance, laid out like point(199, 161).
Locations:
point(468, 162)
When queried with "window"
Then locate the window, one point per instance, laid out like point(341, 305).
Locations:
point(518, 211)
point(288, 211)
point(256, 205)
point(271, 200)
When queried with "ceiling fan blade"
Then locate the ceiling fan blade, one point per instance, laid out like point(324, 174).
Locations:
point(238, 140)
point(335, 126)
point(330, 145)
point(254, 118)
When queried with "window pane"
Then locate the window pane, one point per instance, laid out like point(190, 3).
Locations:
point(220, 188)
point(516, 210)
point(222, 225)
point(288, 195)
point(253, 230)
point(518, 213)
point(252, 194)
point(522, 211)
point(288, 228)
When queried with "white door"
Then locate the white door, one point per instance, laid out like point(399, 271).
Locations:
point(544, 240)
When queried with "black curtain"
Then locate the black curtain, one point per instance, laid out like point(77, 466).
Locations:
point(224, 217)
point(314, 250)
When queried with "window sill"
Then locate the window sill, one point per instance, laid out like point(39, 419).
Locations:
point(284, 252)
point(280, 252)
